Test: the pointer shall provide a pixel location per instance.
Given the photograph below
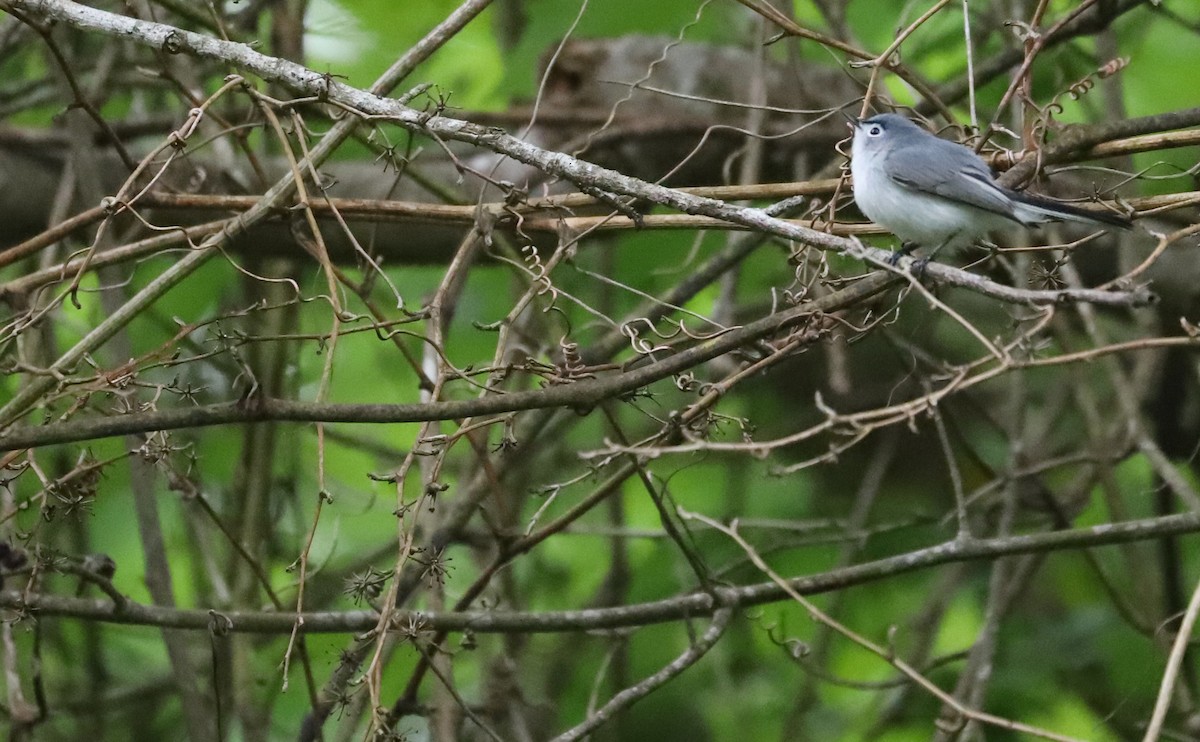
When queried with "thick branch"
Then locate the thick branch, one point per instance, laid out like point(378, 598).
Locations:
point(1080, 138)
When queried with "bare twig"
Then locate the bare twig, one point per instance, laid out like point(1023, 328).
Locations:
point(629, 696)
point(1174, 660)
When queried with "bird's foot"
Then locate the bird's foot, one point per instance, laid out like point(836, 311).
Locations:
point(906, 248)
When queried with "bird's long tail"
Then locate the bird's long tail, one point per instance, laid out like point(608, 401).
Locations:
point(1032, 209)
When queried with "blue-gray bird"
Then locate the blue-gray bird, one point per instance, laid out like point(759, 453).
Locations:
point(938, 194)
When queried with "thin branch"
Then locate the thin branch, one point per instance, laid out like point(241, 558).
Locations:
point(633, 694)
point(671, 609)
point(1174, 661)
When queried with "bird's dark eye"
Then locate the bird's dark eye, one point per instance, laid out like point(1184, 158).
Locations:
point(875, 130)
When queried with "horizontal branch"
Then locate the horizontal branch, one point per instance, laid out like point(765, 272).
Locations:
point(548, 218)
point(506, 217)
point(1082, 138)
point(672, 609)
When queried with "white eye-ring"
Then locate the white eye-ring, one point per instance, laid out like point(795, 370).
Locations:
point(875, 130)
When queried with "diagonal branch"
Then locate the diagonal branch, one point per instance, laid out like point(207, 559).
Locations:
point(633, 694)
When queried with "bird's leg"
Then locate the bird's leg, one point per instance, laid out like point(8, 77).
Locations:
point(919, 266)
point(906, 248)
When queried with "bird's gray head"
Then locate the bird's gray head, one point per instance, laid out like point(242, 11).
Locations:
point(878, 133)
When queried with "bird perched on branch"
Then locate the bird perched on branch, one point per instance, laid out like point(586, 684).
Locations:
point(938, 194)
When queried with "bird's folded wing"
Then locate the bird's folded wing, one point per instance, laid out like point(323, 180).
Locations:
point(963, 182)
